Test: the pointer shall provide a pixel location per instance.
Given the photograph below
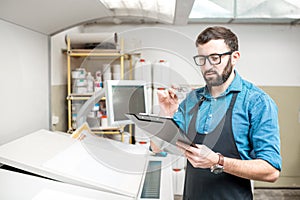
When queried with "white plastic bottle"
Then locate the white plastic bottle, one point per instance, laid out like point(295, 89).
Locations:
point(161, 74)
point(90, 82)
point(142, 71)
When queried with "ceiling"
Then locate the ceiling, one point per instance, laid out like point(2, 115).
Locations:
point(51, 17)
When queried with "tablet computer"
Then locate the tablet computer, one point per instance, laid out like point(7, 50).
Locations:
point(163, 131)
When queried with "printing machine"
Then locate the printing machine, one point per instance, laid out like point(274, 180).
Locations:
point(52, 165)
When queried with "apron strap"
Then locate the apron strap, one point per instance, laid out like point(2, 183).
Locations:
point(191, 129)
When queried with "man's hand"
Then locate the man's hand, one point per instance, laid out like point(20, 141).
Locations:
point(200, 157)
point(257, 169)
point(168, 102)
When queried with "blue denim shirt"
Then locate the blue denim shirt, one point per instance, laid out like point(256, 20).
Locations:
point(254, 119)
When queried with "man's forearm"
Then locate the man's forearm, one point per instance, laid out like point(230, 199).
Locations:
point(251, 169)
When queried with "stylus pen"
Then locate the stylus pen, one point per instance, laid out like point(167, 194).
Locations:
point(194, 145)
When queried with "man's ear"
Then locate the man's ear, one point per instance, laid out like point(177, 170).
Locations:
point(235, 56)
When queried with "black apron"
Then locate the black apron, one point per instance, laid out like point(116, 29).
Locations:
point(203, 184)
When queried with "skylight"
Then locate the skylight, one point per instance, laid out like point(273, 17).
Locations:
point(246, 10)
point(212, 9)
point(161, 10)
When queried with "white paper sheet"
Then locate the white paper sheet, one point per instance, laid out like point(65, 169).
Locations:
point(103, 164)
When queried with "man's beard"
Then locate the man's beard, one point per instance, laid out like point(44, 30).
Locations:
point(220, 79)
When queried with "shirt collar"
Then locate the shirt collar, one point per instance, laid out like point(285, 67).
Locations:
point(235, 86)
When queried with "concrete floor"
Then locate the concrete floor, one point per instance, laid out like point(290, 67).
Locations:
point(270, 194)
point(277, 194)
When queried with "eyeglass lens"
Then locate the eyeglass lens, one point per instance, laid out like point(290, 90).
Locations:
point(213, 59)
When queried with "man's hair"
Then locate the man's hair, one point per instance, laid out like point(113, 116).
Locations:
point(216, 33)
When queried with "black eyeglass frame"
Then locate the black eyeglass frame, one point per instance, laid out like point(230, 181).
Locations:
point(213, 54)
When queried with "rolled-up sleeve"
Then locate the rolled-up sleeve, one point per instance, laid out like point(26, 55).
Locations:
point(264, 130)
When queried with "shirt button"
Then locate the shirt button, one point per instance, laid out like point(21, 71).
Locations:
point(210, 115)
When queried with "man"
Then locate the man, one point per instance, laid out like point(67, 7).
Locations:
point(233, 123)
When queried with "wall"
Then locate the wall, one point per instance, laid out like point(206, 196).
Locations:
point(268, 59)
point(59, 79)
point(24, 83)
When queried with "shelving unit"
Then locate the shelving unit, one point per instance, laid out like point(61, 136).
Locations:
point(112, 54)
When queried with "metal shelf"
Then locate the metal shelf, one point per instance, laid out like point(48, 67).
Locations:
point(85, 96)
point(102, 54)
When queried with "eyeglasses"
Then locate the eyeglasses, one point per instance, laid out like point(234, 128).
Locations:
point(213, 59)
